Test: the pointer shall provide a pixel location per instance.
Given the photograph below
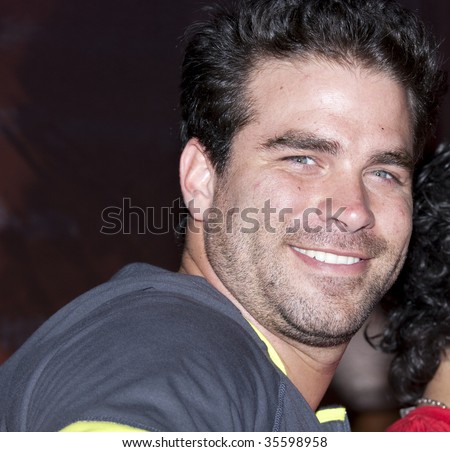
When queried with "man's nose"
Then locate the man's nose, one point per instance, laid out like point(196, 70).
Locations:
point(347, 206)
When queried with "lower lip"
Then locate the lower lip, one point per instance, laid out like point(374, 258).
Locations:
point(341, 269)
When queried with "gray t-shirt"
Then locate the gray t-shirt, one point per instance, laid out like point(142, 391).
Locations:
point(153, 350)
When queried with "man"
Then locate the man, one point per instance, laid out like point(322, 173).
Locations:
point(302, 120)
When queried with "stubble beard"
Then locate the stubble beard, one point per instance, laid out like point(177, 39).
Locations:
point(325, 316)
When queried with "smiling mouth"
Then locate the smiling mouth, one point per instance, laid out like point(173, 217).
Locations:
point(329, 258)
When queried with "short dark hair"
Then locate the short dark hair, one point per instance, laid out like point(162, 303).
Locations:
point(222, 51)
point(418, 327)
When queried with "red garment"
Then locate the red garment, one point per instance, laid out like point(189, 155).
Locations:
point(423, 419)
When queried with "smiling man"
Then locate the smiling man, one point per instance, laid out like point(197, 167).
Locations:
point(319, 130)
point(309, 115)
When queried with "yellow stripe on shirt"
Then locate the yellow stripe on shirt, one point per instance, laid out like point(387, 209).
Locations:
point(97, 426)
point(274, 356)
point(331, 414)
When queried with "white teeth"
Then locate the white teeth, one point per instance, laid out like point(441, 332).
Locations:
point(329, 258)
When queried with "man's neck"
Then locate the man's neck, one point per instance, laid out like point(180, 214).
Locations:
point(310, 369)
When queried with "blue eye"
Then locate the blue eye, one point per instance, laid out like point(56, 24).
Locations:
point(304, 160)
point(386, 177)
point(383, 174)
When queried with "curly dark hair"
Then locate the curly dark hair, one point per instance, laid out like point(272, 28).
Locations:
point(418, 328)
point(222, 52)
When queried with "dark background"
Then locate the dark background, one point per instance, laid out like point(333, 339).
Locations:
point(88, 117)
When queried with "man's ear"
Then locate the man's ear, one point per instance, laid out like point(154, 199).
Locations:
point(196, 178)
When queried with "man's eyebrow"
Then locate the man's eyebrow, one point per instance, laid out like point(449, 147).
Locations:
point(307, 141)
point(300, 140)
point(398, 157)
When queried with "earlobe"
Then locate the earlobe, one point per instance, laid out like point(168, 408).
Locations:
point(196, 178)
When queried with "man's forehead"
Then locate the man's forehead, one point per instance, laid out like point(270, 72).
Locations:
point(268, 72)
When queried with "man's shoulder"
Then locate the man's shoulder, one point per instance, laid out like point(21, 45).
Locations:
point(144, 306)
point(153, 343)
point(130, 291)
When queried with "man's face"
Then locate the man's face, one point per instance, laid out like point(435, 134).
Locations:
point(324, 171)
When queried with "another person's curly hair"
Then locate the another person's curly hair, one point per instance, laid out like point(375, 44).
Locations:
point(418, 329)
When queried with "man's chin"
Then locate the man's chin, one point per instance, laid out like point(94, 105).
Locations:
point(319, 339)
point(326, 322)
